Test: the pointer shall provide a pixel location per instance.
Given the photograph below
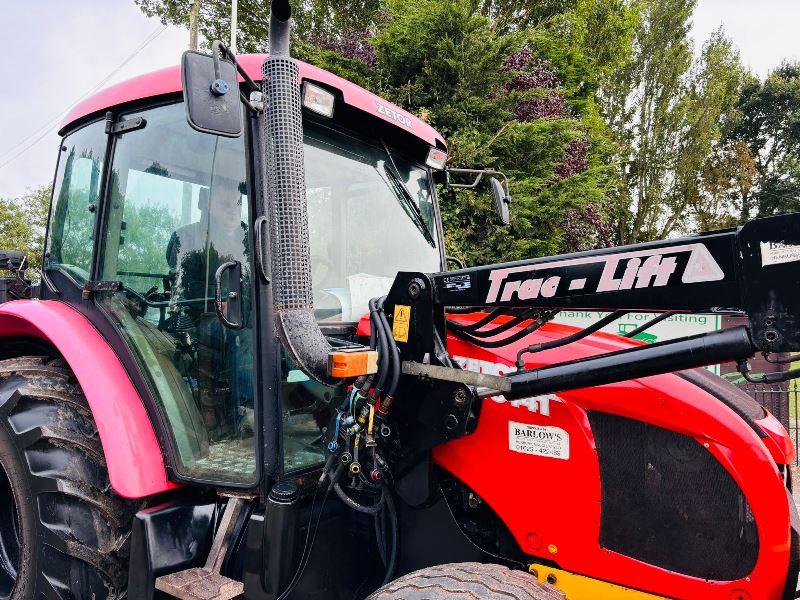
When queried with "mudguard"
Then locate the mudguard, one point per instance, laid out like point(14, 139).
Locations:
point(133, 456)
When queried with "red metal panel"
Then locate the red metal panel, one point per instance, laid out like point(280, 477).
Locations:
point(132, 452)
point(168, 81)
point(552, 506)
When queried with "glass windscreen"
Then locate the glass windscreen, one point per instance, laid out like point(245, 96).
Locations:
point(364, 227)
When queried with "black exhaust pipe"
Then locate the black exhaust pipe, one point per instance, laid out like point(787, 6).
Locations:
point(633, 363)
point(279, 29)
point(285, 187)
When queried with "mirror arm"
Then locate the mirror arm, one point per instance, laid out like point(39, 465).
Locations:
point(479, 174)
point(220, 50)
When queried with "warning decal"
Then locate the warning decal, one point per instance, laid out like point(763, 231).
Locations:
point(400, 324)
point(539, 440)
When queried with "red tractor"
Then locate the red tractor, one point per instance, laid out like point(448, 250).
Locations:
point(246, 370)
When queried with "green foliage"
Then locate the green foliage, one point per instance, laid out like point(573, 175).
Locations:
point(666, 110)
point(23, 221)
point(766, 130)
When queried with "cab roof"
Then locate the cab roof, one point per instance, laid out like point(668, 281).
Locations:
point(168, 81)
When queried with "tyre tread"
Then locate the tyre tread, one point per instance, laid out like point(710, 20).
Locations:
point(467, 581)
point(62, 433)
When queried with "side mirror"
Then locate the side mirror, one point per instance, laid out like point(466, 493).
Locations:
point(211, 94)
point(501, 200)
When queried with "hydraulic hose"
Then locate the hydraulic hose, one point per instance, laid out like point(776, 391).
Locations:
point(392, 347)
point(487, 333)
point(383, 346)
point(480, 322)
point(367, 510)
point(526, 331)
point(586, 331)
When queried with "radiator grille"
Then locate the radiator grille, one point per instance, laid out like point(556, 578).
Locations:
point(668, 502)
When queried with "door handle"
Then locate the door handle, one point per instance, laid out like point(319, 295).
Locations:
point(233, 301)
point(258, 226)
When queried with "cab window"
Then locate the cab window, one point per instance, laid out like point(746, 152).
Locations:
point(75, 200)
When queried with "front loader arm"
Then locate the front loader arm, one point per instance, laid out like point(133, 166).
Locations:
point(753, 271)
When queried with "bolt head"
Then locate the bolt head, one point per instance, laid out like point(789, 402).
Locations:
point(460, 397)
point(219, 87)
point(451, 422)
point(415, 288)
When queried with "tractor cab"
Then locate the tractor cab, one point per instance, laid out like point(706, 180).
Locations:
point(154, 230)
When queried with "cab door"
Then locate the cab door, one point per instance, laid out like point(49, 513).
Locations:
point(175, 248)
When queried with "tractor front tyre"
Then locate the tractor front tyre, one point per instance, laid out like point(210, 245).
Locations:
point(63, 532)
point(467, 581)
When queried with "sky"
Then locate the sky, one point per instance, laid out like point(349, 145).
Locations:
point(56, 51)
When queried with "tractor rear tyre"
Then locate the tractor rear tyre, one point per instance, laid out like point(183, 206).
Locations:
point(467, 581)
point(63, 531)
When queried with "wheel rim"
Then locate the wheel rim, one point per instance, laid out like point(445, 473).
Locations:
point(9, 537)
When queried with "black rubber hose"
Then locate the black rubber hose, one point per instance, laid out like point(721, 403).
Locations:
point(480, 322)
point(391, 509)
point(650, 323)
point(373, 335)
point(367, 510)
point(392, 347)
point(487, 333)
point(383, 346)
point(381, 540)
point(505, 341)
point(462, 310)
point(570, 338)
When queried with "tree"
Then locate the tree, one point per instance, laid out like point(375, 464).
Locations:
point(766, 128)
point(666, 110)
point(23, 222)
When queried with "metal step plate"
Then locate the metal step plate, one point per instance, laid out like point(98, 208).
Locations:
point(199, 584)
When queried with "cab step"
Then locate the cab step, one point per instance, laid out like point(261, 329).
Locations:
point(206, 583)
point(199, 584)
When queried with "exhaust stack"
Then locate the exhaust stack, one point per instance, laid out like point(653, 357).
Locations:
point(286, 196)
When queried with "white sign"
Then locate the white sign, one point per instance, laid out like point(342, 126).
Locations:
point(775, 253)
point(538, 440)
point(676, 326)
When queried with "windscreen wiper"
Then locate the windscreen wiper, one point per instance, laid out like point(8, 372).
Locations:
point(406, 196)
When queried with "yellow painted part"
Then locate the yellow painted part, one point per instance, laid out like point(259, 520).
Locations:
point(401, 322)
point(578, 587)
